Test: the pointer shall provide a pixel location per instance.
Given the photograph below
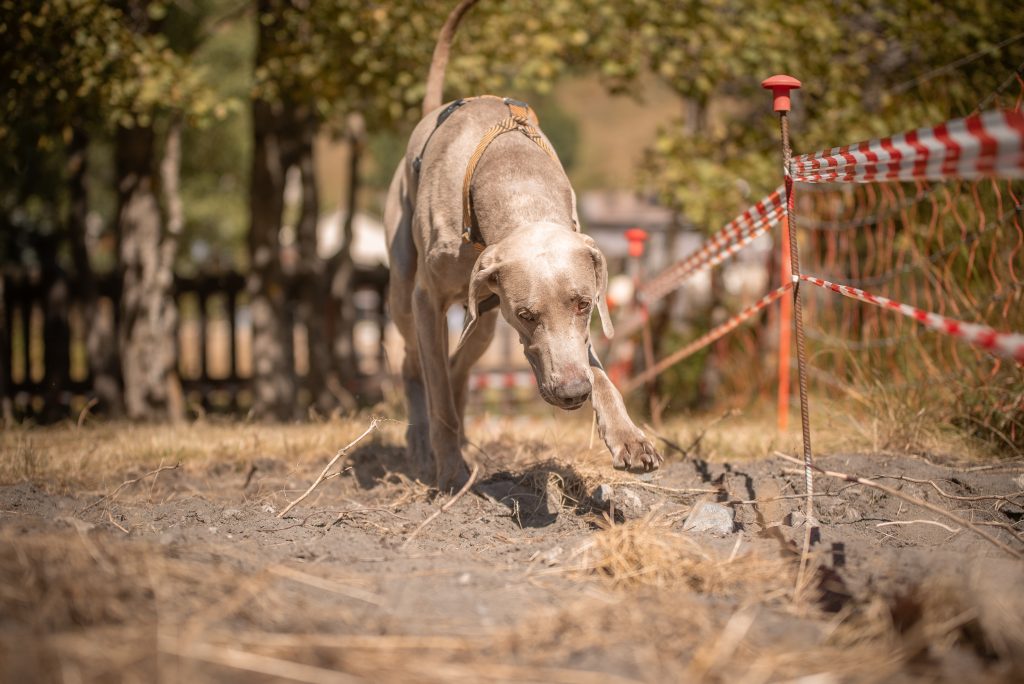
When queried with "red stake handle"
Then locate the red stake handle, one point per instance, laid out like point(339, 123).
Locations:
point(636, 237)
point(780, 85)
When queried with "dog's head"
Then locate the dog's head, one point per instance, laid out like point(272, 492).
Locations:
point(548, 280)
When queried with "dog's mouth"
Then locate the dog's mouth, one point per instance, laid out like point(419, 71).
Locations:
point(572, 407)
point(550, 397)
point(566, 405)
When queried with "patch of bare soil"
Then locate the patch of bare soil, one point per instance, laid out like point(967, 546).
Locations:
point(187, 574)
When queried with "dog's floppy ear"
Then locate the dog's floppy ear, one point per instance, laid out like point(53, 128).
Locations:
point(485, 270)
point(601, 272)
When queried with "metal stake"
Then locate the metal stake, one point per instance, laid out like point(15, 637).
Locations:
point(780, 87)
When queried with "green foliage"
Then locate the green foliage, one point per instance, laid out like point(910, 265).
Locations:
point(215, 159)
point(71, 62)
point(372, 56)
point(854, 59)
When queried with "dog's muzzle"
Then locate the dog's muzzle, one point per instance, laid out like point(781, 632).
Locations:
point(571, 395)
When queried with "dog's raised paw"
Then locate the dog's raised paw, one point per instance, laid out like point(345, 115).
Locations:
point(635, 451)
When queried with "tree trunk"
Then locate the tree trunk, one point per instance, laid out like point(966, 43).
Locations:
point(148, 310)
point(272, 336)
point(101, 341)
point(6, 409)
point(56, 333)
point(170, 177)
point(313, 291)
point(342, 269)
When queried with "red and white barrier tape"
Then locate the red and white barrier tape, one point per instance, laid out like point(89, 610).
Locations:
point(630, 326)
point(999, 343)
point(705, 339)
point(503, 380)
point(988, 144)
point(633, 324)
point(740, 232)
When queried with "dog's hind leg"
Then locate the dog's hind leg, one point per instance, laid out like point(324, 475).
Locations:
point(402, 257)
point(473, 347)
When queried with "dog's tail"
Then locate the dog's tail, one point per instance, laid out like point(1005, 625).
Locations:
point(438, 63)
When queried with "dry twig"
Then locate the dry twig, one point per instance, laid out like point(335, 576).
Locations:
point(1006, 526)
point(110, 517)
point(442, 509)
point(981, 497)
point(910, 499)
point(951, 530)
point(128, 483)
point(276, 668)
point(323, 474)
point(85, 412)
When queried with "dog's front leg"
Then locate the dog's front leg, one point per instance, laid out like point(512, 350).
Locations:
point(629, 446)
point(432, 340)
point(462, 362)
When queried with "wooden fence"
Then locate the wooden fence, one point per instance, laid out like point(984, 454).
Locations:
point(45, 364)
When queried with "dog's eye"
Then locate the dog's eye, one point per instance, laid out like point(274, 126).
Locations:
point(528, 316)
point(583, 306)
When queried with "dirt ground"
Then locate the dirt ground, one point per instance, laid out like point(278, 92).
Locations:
point(186, 573)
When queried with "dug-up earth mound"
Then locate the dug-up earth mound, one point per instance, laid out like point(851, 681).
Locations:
point(159, 554)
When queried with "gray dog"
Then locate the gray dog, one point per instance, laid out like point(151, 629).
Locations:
point(480, 213)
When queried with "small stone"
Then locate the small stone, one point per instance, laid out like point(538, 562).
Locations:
point(550, 557)
point(603, 495)
point(798, 519)
point(708, 516)
point(629, 502)
point(464, 579)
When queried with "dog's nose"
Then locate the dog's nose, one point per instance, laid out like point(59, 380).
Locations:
point(573, 393)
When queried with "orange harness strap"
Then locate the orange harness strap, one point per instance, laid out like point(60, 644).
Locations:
point(522, 118)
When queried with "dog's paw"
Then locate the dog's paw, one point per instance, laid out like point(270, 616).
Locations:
point(451, 471)
point(634, 451)
point(418, 451)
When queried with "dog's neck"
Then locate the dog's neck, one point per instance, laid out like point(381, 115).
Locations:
point(534, 231)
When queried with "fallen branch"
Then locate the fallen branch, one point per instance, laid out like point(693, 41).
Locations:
point(1019, 534)
point(1015, 465)
point(442, 509)
point(324, 584)
point(323, 474)
point(770, 499)
point(981, 497)
point(128, 483)
point(951, 530)
point(909, 499)
point(667, 490)
point(275, 668)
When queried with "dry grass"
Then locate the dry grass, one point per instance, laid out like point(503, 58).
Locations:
point(98, 454)
point(640, 602)
point(678, 613)
point(647, 553)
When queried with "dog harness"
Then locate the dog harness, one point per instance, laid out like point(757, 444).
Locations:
point(521, 118)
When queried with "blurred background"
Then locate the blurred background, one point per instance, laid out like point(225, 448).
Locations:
point(190, 206)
